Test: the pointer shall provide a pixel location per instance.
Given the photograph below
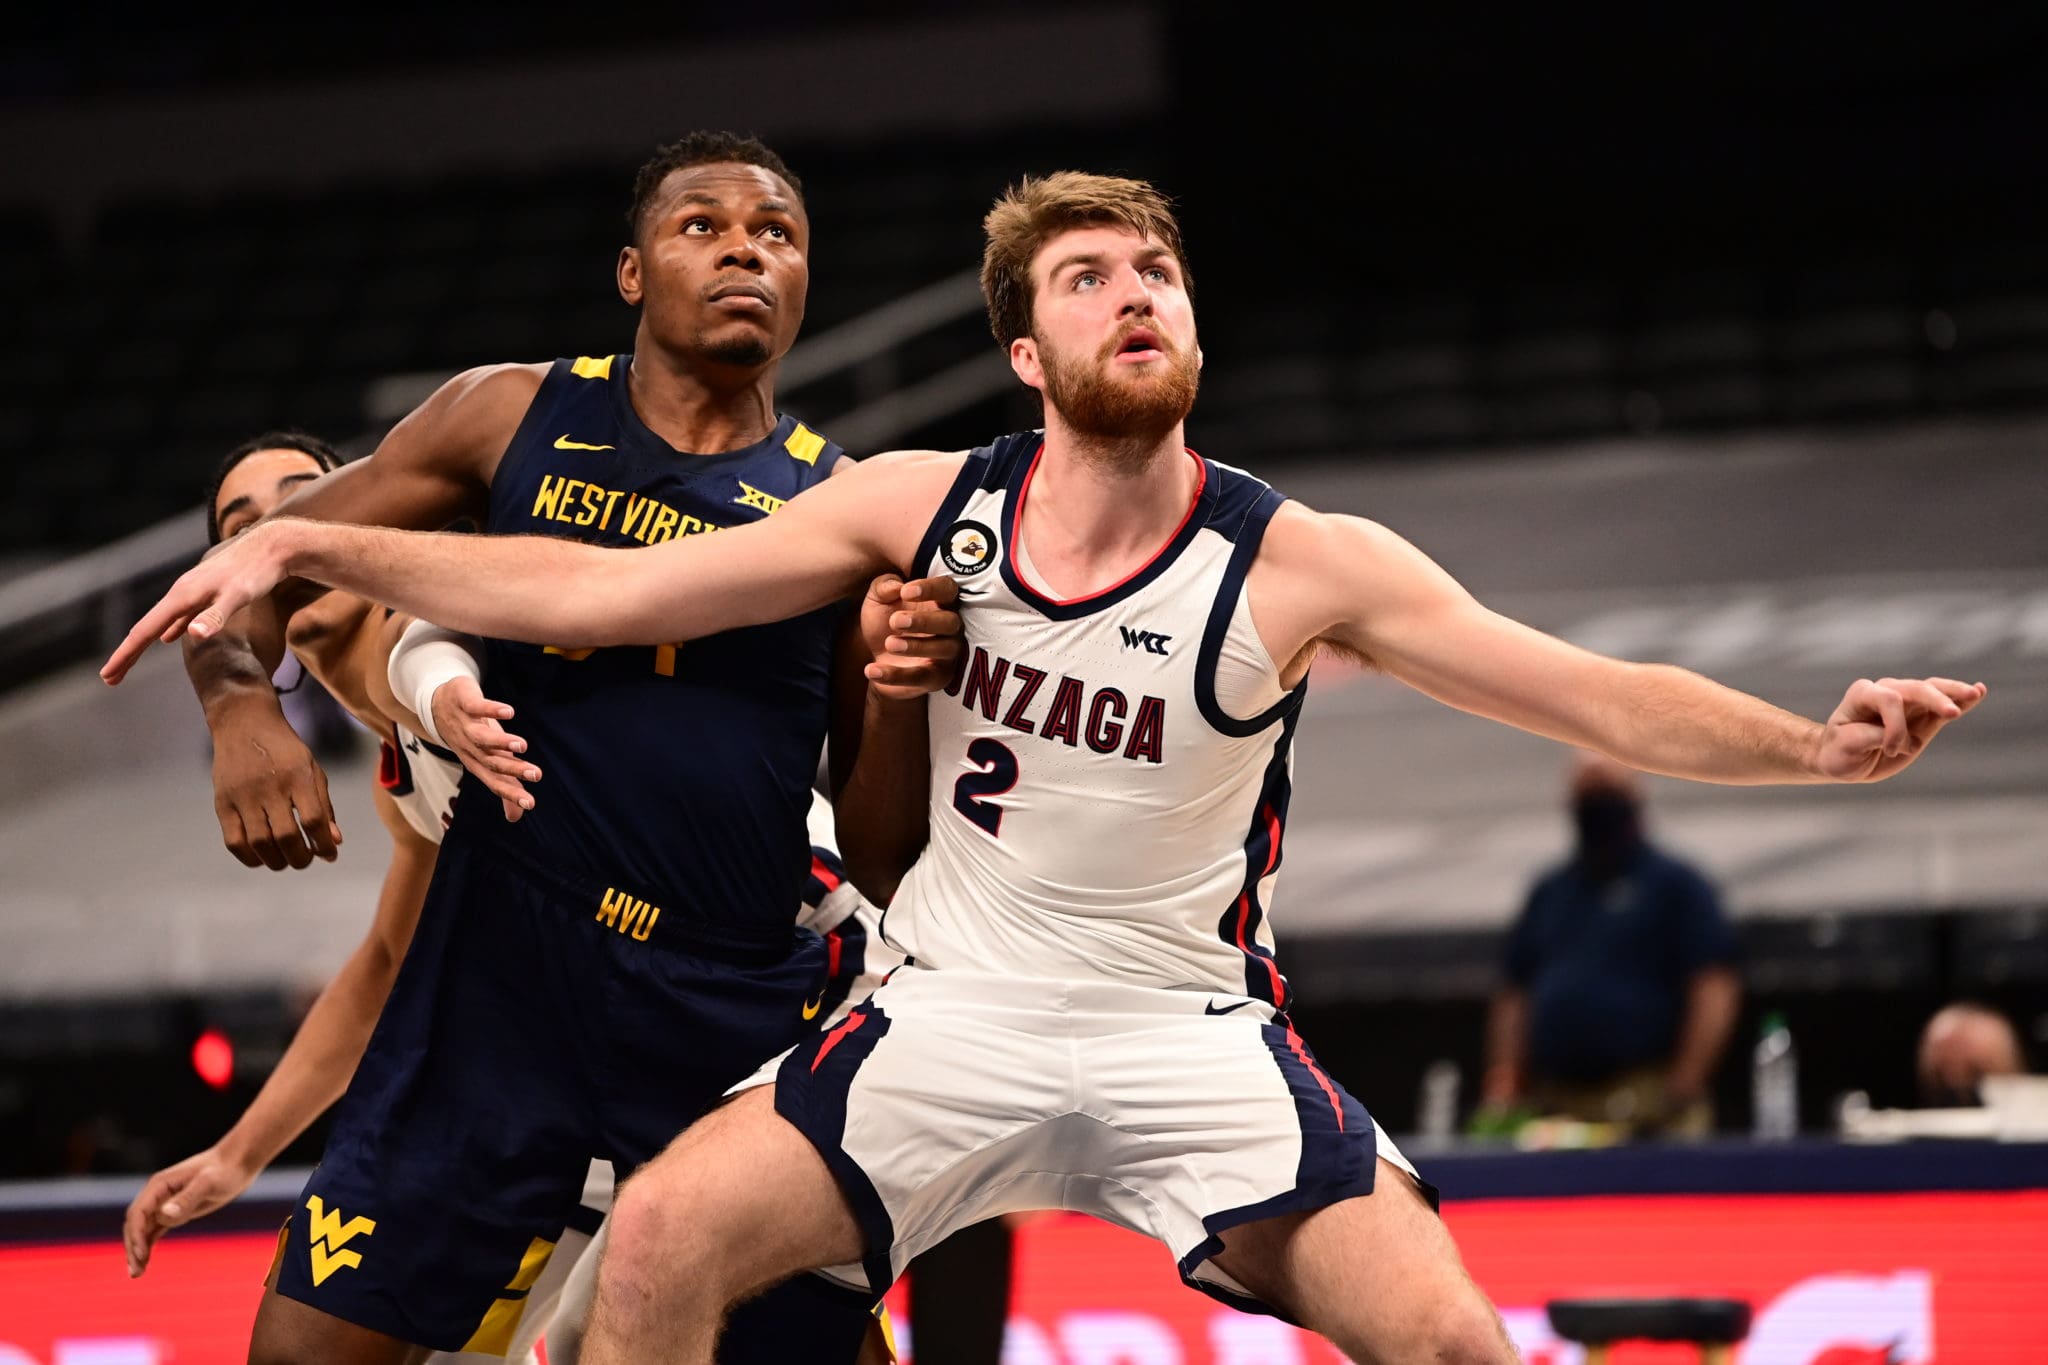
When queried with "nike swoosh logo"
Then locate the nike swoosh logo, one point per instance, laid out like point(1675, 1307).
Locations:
point(1210, 1008)
point(811, 1007)
point(564, 443)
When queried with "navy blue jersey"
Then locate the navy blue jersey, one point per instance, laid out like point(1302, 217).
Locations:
point(678, 774)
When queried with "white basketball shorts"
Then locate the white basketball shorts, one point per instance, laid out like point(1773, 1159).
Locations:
point(953, 1096)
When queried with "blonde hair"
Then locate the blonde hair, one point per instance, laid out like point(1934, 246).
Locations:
point(1034, 211)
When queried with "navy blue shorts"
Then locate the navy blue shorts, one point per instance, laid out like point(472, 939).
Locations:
point(535, 1024)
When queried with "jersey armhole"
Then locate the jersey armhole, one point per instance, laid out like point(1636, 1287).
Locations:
point(974, 474)
point(1245, 548)
point(537, 409)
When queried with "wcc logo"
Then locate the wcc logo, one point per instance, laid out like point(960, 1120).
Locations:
point(329, 1235)
point(1151, 641)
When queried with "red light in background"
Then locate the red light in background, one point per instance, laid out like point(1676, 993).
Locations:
point(213, 1057)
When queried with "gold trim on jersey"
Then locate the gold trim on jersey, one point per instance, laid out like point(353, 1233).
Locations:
point(804, 444)
point(592, 367)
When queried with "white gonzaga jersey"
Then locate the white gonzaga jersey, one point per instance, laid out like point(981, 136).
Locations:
point(1110, 774)
point(422, 778)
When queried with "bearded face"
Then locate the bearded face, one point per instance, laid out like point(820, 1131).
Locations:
point(1119, 402)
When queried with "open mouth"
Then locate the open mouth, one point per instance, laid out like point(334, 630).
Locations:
point(1140, 344)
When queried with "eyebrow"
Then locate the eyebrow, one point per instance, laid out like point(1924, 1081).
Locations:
point(241, 504)
point(1148, 255)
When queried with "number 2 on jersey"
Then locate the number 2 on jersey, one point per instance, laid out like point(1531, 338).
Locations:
point(971, 792)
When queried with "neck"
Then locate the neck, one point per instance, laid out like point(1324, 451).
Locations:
point(1095, 514)
point(700, 408)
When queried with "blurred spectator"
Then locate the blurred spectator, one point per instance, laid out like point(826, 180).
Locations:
point(1961, 1045)
point(1621, 989)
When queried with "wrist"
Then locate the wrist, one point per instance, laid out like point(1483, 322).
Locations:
point(238, 1152)
point(240, 700)
point(898, 709)
point(293, 546)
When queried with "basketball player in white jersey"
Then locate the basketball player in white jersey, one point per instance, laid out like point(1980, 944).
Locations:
point(1091, 1016)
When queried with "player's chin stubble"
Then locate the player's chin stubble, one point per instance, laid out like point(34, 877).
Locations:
point(1121, 419)
point(745, 349)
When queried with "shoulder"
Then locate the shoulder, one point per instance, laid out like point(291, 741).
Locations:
point(1300, 533)
point(485, 403)
point(907, 469)
point(489, 384)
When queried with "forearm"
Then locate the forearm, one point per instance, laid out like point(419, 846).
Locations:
point(535, 588)
point(316, 1068)
point(547, 590)
point(1507, 1025)
point(1712, 1000)
point(883, 809)
point(1663, 719)
point(236, 665)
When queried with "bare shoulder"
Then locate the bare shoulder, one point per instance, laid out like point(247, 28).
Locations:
point(489, 392)
point(1299, 538)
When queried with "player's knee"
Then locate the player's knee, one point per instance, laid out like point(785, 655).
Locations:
point(660, 1232)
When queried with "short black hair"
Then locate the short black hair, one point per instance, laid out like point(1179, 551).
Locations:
point(700, 149)
point(323, 455)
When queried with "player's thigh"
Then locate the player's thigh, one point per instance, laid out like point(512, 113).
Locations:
point(1377, 1274)
point(741, 1195)
point(288, 1332)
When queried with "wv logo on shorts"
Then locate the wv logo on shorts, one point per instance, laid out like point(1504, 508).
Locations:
point(329, 1234)
point(1151, 641)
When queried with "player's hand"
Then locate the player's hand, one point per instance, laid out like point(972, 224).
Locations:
point(914, 634)
point(175, 1196)
point(269, 792)
point(231, 576)
point(1882, 726)
point(472, 725)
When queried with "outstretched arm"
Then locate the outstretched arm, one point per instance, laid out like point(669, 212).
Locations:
point(818, 549)
point(433, 467)
point(1357, 585)
point(315, 1069)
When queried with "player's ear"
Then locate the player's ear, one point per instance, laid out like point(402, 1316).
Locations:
point(629, 275)
point(1024, 362)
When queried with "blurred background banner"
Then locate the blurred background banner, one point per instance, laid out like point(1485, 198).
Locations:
point(1693, 336)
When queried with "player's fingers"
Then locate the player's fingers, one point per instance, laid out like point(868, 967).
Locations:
point(942, 590)
point(1923, 697)
point(139, 638)
point(235, 835)
point(886, 589)
point(477, 704)
point(263, 838)
point(141, 1212)
point(1891, 709)
point(512, 811)
point(922, 647)
point(926, 620)
point(1964, 695)
point(291, 840)
point(316, 815)
point(490, 737)
point(1862, 737)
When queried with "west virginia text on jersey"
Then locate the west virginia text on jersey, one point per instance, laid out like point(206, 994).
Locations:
point(639, 743)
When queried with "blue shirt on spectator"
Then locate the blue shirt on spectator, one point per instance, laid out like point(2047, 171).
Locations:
point(1606, 963)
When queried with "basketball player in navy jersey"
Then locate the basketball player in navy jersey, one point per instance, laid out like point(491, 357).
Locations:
point(586, 982)
point(1092, 1016)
